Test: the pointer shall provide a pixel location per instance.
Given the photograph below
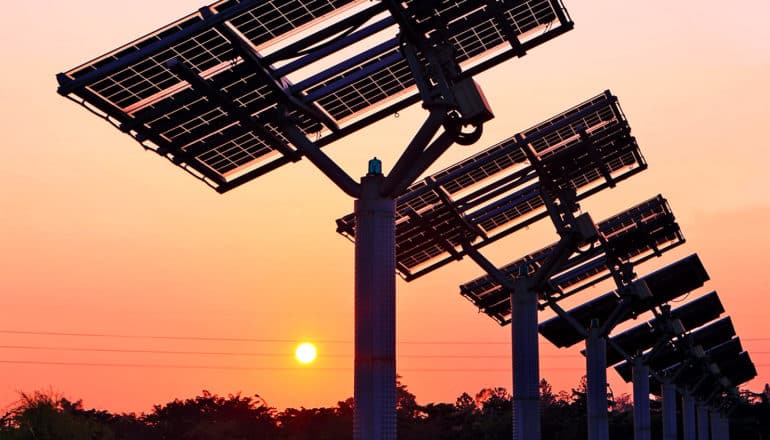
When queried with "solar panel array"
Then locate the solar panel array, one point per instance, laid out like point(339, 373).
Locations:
point(498, 191)
point(675, 356)
point(644, 336)
point(633, 236)
point(262, 65)
point(664, 284)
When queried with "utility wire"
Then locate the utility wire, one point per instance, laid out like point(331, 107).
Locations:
point(226, 339)
point(235, 367)
point(261, 340)
point(255, 354)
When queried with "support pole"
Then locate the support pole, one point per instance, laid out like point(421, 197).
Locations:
point(715, 421)
point(375, 314)
point(596, 377)
point(724, 426)
point(669, 410)
point(526, 363)
point(688, 416)
point(641, 375)
point(703, 421)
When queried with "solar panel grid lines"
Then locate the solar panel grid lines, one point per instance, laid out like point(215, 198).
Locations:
point(228, 42)
point(635, 235)
point(490, 199)
point(498, 158)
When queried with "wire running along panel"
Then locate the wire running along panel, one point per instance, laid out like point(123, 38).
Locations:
point(259, 54)
point(498, 191)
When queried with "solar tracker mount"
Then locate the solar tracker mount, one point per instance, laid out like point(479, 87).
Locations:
point(213, 91)
point(504, 188)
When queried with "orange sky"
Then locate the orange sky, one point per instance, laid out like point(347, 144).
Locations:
point(99, 236)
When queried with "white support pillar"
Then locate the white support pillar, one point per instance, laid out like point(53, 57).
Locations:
point(596, 377)
point(703, 421)
point(669, 411)
point(526, 362)
point(641, 377)
point(375, 314)
point(688, 417)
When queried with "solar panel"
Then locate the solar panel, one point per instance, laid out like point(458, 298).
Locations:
point(498, 191)
point(642, 337)
point(692, 373)
point(688, 272)
point(736, 368)
point(633, 236)
point(333, 67)
point(707, 337)
point(739, 369)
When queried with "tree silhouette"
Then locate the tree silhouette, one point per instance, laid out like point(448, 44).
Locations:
point(211, 417)
point(48, 416)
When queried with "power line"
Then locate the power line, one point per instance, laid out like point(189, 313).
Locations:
point(241, 368)
point(230, 339)
point(260, 340)
point(255, 354)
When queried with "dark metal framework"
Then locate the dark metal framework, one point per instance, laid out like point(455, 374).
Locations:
point(664, 285)
point(215, 91)
point(705, 362)
point(240, 88)
point(692, 315)
point(625, 240)
point(507, 187)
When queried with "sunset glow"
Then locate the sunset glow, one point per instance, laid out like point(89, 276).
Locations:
point(305, 353)
point(144, 273)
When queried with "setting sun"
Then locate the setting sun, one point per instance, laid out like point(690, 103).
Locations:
point(305, 353)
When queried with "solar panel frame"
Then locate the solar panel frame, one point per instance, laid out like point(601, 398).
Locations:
point(495, 192)
point(709, 336)
point(694, 314)
point(718, 354)
point(134, 89)
point(647, 229)
point(736, 367)
point(689, 273)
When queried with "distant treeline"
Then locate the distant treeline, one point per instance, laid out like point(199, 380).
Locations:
point(486, 415)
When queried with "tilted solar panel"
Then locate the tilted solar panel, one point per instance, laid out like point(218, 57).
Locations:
point(734, 366)
point(647, 226)
point(642, 337)
point(633, 236)
point(737, 371)
point(708, 337)
point(496, 192)
point(689, 373)
point(688, 274)
point(255, 64)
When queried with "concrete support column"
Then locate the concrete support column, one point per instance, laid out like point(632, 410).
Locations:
point(703, 421)
point(688, 417)
point(715, 418)
point(641, 377)
point(526, 363)
point(375, 315)
point(669, 411)
point(724, 427)
point(596, 377)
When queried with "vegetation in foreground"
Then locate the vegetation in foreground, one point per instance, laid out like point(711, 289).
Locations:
point(487, 415)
